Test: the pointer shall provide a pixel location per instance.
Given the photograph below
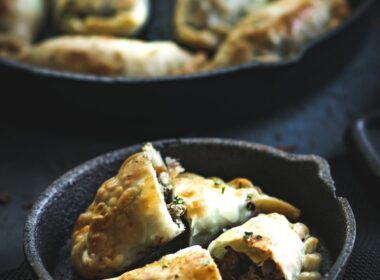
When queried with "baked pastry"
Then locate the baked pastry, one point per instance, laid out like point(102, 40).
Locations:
point(192, 263)
point(267, 247)
point(213, 205)
point(20, 22)
point(278, 31)
point(101, 17)
point(205, 23)
point(128, 218)
point(98, 55)
point(21, 18)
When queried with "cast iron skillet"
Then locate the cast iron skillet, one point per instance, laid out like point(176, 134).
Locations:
point(304, 180)
point(322, 57)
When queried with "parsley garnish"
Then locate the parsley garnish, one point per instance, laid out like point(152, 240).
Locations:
point(164, 267)
point(217, 182)
point(205, 262)
point(223, 189)
point(248, 234)
point(259, 237)
point(178, 200)
point(249, 197)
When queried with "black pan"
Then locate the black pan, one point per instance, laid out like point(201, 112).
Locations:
point(302, 180)
point(317, 61)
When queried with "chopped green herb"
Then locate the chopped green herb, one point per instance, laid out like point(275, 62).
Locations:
point(249, 197)
point(178, 200)
point(217, 182)
point(164, 267)
point(259, 237)
point(223, 189)
point(205, 262)
point(248, 234)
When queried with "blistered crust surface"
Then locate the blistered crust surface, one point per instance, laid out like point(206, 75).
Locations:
point(192, 263)
point(99, 55)
point(127, 220)
point(278, 31)
point(101, 17)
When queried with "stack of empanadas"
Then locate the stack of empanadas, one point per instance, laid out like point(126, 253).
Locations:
point(150, 202)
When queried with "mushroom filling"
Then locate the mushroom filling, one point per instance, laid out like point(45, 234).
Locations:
point(175, 205)
point(237, 266)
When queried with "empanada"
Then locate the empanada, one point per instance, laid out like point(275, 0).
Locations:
point(21, 18)
point(267, 247)
point(20, 22)
point(129, 217)
point(101, 17)
point(213, 205)
point(278, 31)
point(205, 23)
point(193, 263)
point(98, 55)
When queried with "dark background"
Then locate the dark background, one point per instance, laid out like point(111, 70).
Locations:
point(45, 132)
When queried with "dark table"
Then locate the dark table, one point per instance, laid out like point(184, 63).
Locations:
point(40, 140)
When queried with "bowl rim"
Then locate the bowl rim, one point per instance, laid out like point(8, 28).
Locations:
point(65, 75)
point(30, 235)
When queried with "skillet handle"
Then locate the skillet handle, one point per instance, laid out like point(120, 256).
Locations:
point(365, 134)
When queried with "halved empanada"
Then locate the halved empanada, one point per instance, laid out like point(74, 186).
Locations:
point(98, 55)
point(278, 31)
point(213, 205)
point(101, 17)
point(205, 23)
point(128, 218)
point(267, 247)
point(193, 263)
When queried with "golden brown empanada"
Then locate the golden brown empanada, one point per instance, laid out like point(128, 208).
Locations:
point(101, 17)
point(213, 205)
point(278, 31)
point(21, 18)
point(205, 23)
point(129, 217)
point(20, 22)
point(193, 263)
point(267, 247)
point(98, 55)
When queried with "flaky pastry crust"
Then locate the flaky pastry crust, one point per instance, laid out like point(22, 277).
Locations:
point(193, 263)
point(126, 221)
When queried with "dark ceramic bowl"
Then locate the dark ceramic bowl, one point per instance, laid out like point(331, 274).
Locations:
point(303, 180)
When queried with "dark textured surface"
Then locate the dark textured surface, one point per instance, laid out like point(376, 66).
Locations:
point(45, 132)
point(304, 181)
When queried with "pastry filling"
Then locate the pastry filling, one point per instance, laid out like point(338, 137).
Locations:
point(237, 266)
point(175, 205)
